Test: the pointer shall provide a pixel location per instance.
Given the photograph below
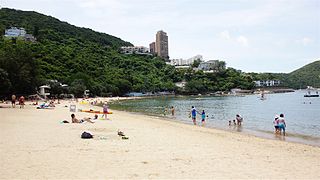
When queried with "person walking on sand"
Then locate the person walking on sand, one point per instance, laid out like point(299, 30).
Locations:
point(194, 115)
point(13, 100)
point(21, 102)
point(282, 124)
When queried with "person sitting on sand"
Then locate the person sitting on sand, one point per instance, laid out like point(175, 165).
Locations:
point(51, 104)
point(75, 120)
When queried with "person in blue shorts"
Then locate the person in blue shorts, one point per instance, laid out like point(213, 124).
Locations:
point(194, 115)
point(282, 124)
point(203, 118)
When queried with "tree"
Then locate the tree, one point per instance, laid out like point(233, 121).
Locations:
point(78, 87)
point(196, 63)
point(5, 84)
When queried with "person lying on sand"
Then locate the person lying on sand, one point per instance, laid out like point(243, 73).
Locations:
point(75, 120)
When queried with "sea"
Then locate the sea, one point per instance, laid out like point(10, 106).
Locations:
point(302, 114)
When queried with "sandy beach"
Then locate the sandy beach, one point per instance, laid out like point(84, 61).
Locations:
point(34, 144)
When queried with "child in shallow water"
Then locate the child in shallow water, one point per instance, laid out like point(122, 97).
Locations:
point(203, 117)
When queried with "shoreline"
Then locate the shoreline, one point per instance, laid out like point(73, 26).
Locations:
point(293, 138)
point(290, 137)
point(35, 144)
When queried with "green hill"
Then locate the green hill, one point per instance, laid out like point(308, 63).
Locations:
point(49, 28)
point(79, 57)
point(85, 59)
point(308, 75)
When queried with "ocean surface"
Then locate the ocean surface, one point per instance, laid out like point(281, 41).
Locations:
point(302, 114)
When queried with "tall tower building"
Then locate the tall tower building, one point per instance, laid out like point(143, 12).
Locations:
point(152, 47)
point(162, 45)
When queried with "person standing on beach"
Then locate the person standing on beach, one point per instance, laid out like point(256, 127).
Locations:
point(194, 115)
point(105, 110)
point(13, 100)
point(21, 102)
point(282, 124)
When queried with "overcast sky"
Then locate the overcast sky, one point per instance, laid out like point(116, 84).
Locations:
point(251, 35)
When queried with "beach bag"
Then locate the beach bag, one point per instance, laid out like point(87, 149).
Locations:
point(86, 135)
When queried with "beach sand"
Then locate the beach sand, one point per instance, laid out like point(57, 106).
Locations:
point(34, 144)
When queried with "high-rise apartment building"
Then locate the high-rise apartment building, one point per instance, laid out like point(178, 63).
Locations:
point(161, 45)
point(152, 47)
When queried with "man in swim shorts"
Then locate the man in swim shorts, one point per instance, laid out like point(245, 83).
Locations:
point(194, 114)
point(75, 120)
point(282, 124)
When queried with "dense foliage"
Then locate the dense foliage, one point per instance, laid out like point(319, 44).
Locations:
point(47, 28)
point(84, 59)
point(222, 80)
point(308, 75)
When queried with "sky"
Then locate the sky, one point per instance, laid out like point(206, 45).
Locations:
point(250, 35)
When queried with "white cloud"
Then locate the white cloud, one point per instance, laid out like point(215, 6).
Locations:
point(225, 35)
point(243, 40)
point(305, 41)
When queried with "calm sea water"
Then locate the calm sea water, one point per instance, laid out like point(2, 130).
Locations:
point(302, 114)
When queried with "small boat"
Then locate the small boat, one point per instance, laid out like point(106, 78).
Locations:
point(311, 95)
point(309, 88)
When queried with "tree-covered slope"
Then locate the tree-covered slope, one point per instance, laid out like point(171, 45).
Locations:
point(85, 59)
point(79, 57)
point(308, 75)
point(49, 28)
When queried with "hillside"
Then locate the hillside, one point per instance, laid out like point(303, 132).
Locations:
point(49, 28)
point(84, 59)
point(308, 75)
point(79, 57)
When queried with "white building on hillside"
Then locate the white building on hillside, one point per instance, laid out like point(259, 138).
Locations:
point(135, 50)
point(267, 83)
point(194, 58)
point(186, 62)
point(209, 65)
point(15, 32)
